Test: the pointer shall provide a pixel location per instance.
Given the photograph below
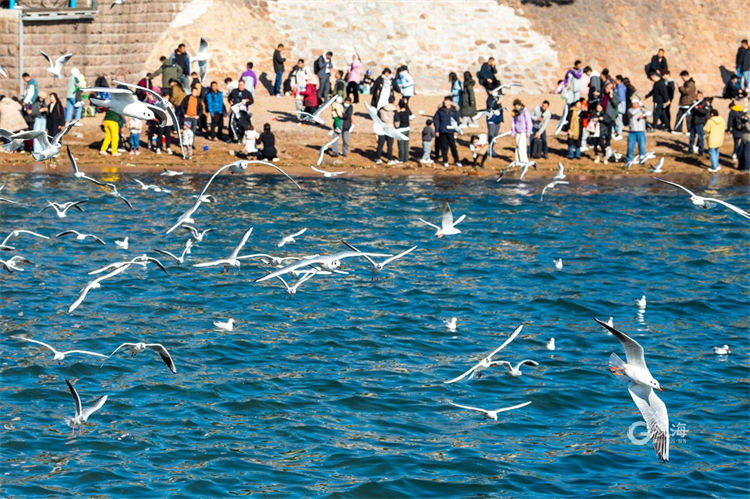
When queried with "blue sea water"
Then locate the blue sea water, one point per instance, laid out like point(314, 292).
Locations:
point(338, 391)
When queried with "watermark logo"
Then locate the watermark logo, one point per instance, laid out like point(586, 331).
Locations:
point(638, 433)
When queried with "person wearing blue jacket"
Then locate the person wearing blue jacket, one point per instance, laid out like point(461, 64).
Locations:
point(445, 120)
point(215, 108)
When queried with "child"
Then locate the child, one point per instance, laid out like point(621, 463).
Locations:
point(366, 83)
point(251, 141)
point(339, 88)
point(187, 139)
point(135, 126)
point(428, 133)
point(479, 147)
point(594, 131)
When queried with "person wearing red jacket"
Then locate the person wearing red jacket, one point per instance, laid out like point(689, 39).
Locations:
point(310, 97)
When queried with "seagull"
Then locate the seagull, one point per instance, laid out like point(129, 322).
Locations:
point(327, 174)
point(80, 236)
point(448, 225)
point(315, 117)
point(108, 185)
point(658, 167)
point(198, 236)
point(330, 263)
point(486, 362)
point(134, 348)
point(55, 68)
point(380, 128)
point(552, 185)
point(225, 326)
point(707, 203)
point(170, 173)
point(235, 167)
point(560, 172)
point(525, 168)
point(61, 210)
point(516, 370)
point(82, 415)
point(490, 414)
point(723, 350)
point(558, 264)
point(16, 233)
point(181, 259)
point(551, 344)
point(57, 355)
point(610, 323)
point(11, 264)
point(292, 290)
point(49, 148)
point(451, 324)
point(206, 198)
point(2, 72)
point(116, 2)
point(122, 244)
point(378, 266)
point(291, 238)
point(494, 139)
point(155, 188)
point(232, 260)
point(275, 261)
point(141, 260)
point(202, 58)
point(641, 302)
point(323, 149)
point(641, 387)
point(121, 101)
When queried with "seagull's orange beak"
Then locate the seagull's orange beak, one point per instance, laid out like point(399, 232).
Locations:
point(659, 388)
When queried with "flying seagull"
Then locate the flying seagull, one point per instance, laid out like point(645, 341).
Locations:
point(181, 259)
point(490, 414)
point(58, 355)
point(82, 415)
point(292, 290)
point(448, 226)
point(11, 264)
point(380, 128)
point(61, 210)
point(327, 262)
point(55, 68)
point(291, 238)
point(16, 233)
point(80, 236)
point(121, 101)
point(202, 57)
point(231, 260)
point(641, 387)
point(49, 148)
point(486, 362)
point(197, 235)
point(327, 174)
point(516, 370)
point(378, 266)
point(552, 185)
point(707, 203)
point(134, 348)
point(315, 117)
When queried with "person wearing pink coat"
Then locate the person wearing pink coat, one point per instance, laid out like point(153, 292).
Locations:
point(355, 76)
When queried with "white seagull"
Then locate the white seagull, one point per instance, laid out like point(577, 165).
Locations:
point(11, 264)
point(121, 101)
point(202, 57)
point(560, 172)
point(57, 355)
point(451, 324)
point(323, 149)
point(315, 117)
point(49, 148)
point(328, 174)
point(381, 128)
point(558, 264)
point(378, 266)
point(723, 350)
point(232, 260)
point(331, 263)
point(80, 236)
point(55, 68)
point(552, 185)
point(641, 388)
point(490, 414)
point(134, 348)
point(658, 167)
point(448, 226)
point(550, 344)
point(170, 173)
point(181, 259)
point(197, 235)
point(122, 244)
point(291, 238)
point(225, 326)
point(707, 203)
point(292, 290)
point(516, 370)
point(16, 233)
point(152, 187)
point(61, 210)
point(82, 415)
point(3, 73)
point(641, 303)
point(112, 188)
point(487, 361)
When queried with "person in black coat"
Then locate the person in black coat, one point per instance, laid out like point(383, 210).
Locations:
point(322, 68)
point(377, 87)
point(742, 64)
point(658, 64)
point(268, 144)
point(660, 95)
point(55, 115)
point(278, 68)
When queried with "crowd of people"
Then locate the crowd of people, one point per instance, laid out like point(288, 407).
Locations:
point(599, 106)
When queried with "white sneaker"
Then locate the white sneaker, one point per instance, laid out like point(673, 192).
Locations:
point(458, 164)
point(617, 138)
point(445, 165)
point(714, 170)
point(734, 158)
point(78, 123)
point(393, 162)
point(379, 162)
point(584, 148)
point(158, 151)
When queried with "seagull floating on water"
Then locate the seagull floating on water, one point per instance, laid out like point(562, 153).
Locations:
point(641, 387)
point(448, 226)
point(707, 203)
point(487, 361)
point(490, 414)
point(134, 348)
point(225, 326)
point(641, 302)
point(558, 264)
point(551, 344)
point(723, 350)
point(122, 244)
point(82, 415)
point(451, 324)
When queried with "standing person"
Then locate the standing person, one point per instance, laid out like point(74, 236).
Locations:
point(168, 70)
point(660, 95)
point(31, 91)
point(298, 80)
point(192, 108)
point(353, 78)
point(402, 123)
point(310, 95)
point(445, 134)
point(346, 126)
point(250, 78)
point(387, 116)
point(687, 97)
point(574, 131)
point(382, 89)
point(669, 82)
point(540, 118)
point(742, 63)
point(405, 84)
point(636, 129)
point(487, 75)
point(38, 112)
point(55, 115)
point(112, 124)
point(72, 93)
point(215, 109)
point(135, 126)
point(658, 64)
point(278, 68)
point(428, 133)
point(182, 59)
point(715, 127)
point(572, 83)
point(322, 69)
point(734, 126)
point(468, 101)
point(176, 96)
point(621, 95)
point(698, 118)
point(610, 106)
point(267, 143)
point(339, 86)
point(521, 129)
point(596, 116)
point(744, 154)
point(188, 140)
point(494, 116)
point(455, 88)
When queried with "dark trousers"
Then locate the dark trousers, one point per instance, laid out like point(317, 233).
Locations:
point(352, 88)
point(744, 156)
point(217, 126)
point(324, 90)
point(448, 141)
point(545, 148)
point(403, 149)
point(661, 116)
point(384, 139)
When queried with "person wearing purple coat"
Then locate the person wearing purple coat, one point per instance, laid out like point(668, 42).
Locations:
point(521, 128)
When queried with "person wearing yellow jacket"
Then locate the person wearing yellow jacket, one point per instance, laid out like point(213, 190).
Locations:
point(715, 129)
